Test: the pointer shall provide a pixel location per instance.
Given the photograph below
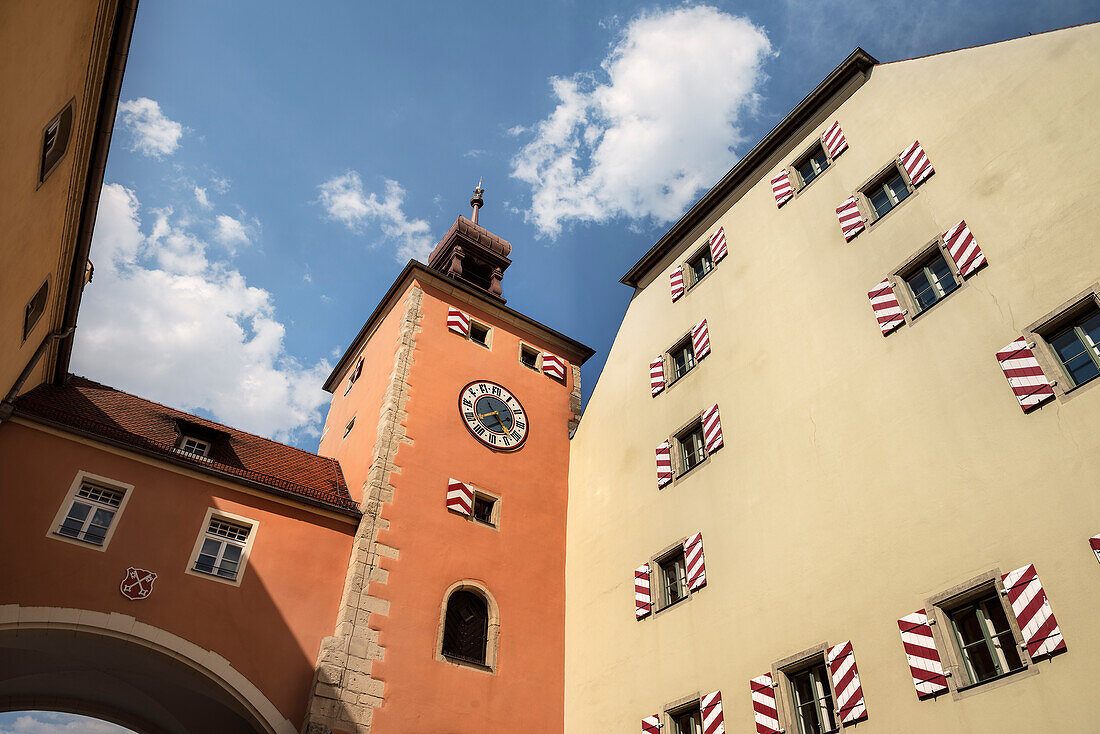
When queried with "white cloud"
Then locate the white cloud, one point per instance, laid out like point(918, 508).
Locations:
point(165, 321)
point(344, 200)
point(474, 153)
point(231, 232)
point(153, 133)
point(202, 198)
point(221, 185)
point(517, 130)
point(44, 722)
point(657, 125)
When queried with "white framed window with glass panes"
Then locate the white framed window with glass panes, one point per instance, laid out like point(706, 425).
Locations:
point(90, 511)
point(222, 549)
point(194, 447)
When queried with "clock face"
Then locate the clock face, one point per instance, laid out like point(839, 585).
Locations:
point(493, 415)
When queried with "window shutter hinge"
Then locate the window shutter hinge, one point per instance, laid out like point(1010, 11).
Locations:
point(1023, 645)
point(893, 284)
point(931, 621)
point(1031, 345)
point(947, 674)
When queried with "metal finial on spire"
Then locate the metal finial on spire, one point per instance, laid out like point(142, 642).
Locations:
point(477, 202)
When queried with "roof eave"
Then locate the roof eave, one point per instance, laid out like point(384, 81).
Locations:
point(224, 476)
point(858, 62)
point(490, 303)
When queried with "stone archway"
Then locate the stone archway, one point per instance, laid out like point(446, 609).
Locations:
point(113, 667)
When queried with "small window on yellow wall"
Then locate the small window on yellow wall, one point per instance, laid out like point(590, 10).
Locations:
point(55, 141)
point(35, 308)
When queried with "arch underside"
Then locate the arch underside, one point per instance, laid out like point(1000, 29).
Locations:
point(122, 679)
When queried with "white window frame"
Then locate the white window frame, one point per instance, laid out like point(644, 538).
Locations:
point(213, 513)
point(198, 442)
point(81, 478)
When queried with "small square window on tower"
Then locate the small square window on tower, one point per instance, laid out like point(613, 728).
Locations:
point(349, 426)
point(484, 510)
point(479, 333)
point(529, 357)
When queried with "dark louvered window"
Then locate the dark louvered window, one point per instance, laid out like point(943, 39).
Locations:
point(467, 627)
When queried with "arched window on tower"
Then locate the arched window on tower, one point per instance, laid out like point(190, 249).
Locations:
point(466, 627)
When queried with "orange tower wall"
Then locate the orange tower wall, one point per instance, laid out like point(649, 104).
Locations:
point(521, 564)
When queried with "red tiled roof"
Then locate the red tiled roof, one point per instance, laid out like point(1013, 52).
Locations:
point(91, 408)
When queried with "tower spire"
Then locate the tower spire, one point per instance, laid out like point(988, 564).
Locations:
point(477, 202)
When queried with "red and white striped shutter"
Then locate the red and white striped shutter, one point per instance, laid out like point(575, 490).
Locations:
point(1024, 374)
point(657, 375)
point(834, 140)
point(964, 249)
point(1033, 613)
point(924, 659)
point(651, 724)
point(714, 721)
point(781, 188)
point(763, 705)
point(460, 498)
point(712, 429)
point(553, 365)
point(849, 693)
point(458, 322)
point(664, 464)
point(643, 599)
point(887, 309)
point(916, 163)
point(851, 221)
point(718, 245)
point(696, 568)
point(676, 282)
point(358, 370)
point(1094, 543)
point(700, 340)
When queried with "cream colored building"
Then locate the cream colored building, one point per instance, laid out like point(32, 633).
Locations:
point(862, 476)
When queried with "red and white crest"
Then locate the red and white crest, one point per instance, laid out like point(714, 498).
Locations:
point(138, 583)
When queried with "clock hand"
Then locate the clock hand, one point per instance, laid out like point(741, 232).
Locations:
point(495, 412)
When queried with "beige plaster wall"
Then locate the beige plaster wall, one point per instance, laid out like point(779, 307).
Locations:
point(50, 53)
point(860, 474)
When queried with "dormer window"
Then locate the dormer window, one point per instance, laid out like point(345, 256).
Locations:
point(195, 447)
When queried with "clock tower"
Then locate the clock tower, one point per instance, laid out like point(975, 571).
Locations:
point(451, 416)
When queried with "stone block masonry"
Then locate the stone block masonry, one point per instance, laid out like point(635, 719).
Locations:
point(344, 694)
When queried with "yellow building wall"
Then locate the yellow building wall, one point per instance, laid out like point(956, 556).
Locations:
point(860, 474)
point(50, 53)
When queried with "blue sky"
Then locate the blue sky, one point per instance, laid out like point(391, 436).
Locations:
point(274, 166)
